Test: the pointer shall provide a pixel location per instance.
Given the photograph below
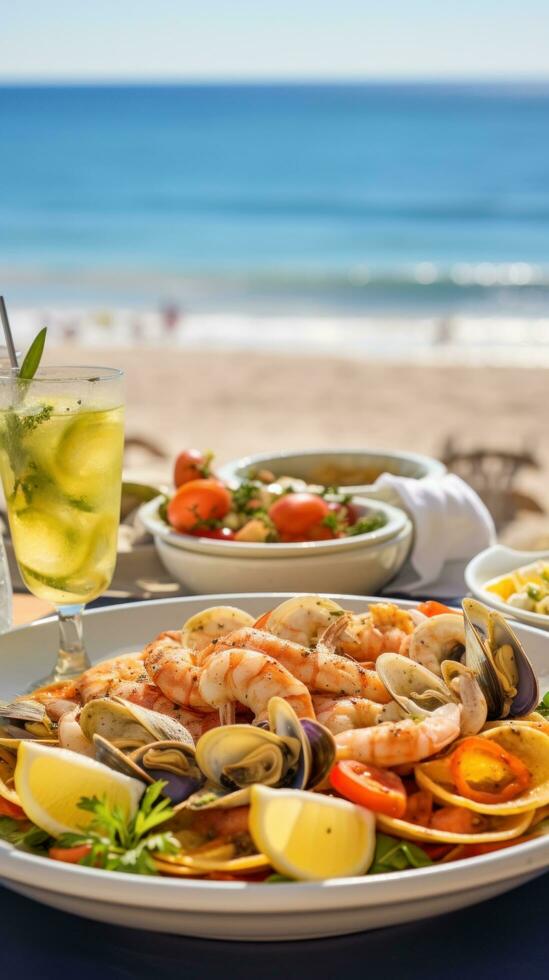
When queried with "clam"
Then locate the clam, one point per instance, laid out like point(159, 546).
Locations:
point(128, 725)
point(25, 718)
point(497, 657)
point(290, 752)
point(419, 691)
point(415, 688)
point(171, 761)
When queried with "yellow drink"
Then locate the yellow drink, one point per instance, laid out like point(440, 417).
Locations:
point(61, 468)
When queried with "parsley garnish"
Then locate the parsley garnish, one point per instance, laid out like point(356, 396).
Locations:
point(117, 844)
point(367, 524)
point(26, 839)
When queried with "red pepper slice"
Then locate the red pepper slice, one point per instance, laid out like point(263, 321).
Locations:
point(485, 772)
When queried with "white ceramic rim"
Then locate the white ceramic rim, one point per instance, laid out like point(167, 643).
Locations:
point(231, 470)
point(397, 520)
point(252, 898)
point(516, 560)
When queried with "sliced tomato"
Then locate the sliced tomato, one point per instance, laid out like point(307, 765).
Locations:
point(485, 772)
point(191, 464)
point(297, 513)
point(197, 503)
point(377, 789)
point(70, 855)
point(457, 820)
point(12, 810)
point(475, 850)
point(419, 807)
point(434, 608)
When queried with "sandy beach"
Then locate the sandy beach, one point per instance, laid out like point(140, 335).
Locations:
point(239, 402)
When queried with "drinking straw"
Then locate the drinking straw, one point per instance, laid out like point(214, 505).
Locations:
point(8, 335)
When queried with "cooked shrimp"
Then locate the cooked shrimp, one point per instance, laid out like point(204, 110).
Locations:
point(383, 629)
point(303, 618)
point(211, 623)
point(400, 742)
point(174, 669)
point(251, 678)
point(341, 714)
point(127, 677)
point(437, 639)
point(319, 670)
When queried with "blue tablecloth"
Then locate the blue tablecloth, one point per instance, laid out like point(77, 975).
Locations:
point(507, 937)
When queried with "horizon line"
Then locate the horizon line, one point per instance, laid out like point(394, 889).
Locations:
point(294, 80)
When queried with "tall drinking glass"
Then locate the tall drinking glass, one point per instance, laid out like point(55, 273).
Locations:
point(61, 446)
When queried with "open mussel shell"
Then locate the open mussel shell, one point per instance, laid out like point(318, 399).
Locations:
point(236, 756)
point(174, 763)
point(503, 670)
point(415, 688)
point(284, 722)
point(128, 725)
point(323, 750)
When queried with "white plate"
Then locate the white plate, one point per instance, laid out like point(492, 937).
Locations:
point(233, 910)
point(497, 561)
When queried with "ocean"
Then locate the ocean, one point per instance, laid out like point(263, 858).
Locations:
point(302, 199)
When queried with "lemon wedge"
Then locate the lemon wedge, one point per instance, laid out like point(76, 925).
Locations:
point(50, 782)
point(310, 837)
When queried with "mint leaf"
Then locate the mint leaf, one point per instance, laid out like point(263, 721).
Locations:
point(33, 356)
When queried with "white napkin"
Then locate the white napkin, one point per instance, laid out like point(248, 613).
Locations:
point(451, 525)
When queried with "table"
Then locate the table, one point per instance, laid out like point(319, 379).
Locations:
point(503, 938)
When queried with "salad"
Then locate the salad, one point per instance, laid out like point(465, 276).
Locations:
point(525, 588)
point(261, 510)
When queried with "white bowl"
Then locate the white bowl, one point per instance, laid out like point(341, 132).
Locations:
point(496, 561)
point(362, 563)
point(303, 464)
point(236, 910)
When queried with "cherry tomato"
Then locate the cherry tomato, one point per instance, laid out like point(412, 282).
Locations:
point(198, 502)
point(12, 810)
point(434, 608)
point(377, 789)
point(70, 855)
point(191, 464)
point(485, 772)
point(319, 532)
point(297, 513)
point(218, 533)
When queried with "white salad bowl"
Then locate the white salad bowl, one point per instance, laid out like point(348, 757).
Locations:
point(238, 910)
point(362, 563)
point(307, 465)
point(497, 561)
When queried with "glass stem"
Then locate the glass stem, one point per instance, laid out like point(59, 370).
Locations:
point(72, 658)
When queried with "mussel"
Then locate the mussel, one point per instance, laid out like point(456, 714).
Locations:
point(128, 725)
point(494, 653)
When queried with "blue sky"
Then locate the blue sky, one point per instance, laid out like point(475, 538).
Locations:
point(132, 39)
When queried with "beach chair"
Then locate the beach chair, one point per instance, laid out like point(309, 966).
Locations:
point(493, 474)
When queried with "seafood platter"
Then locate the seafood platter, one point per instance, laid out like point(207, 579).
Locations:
point(276, 766)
